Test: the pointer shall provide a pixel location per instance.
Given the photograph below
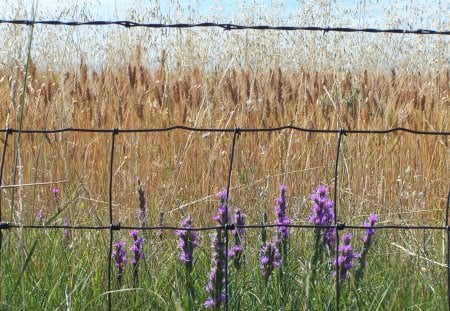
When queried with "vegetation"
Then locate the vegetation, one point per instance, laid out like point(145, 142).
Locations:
point(401, 177)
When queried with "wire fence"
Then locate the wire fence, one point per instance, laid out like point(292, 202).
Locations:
point(224, 26)
point(235, 134)
point(229, 226)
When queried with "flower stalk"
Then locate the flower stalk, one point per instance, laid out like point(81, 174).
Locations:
point(137, 250)
point(187, 241)
point(367, 242)
point(345, 258)
point(235, 253)
point(119, 256)
point(216, 277)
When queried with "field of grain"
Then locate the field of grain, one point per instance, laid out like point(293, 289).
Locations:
point(399, 175)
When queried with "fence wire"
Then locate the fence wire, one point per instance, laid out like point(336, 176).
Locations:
point(224, 26)
point(111, 226)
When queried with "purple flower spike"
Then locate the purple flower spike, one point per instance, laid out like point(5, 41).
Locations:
point(269, 259)
point(187, 241)
point(212, 303)
point(367, 242)
point(236, 251)
point(56, 192)
point(222, 216)
point(216, 276)
point(345, 257)
point(222, 196)
point(119, 256)
point(67, 230)
point(239, 220)
point(136, 248)
point(142, 208)
point(369, 232)
point(280, 212)
point(322, 214)
point(138, 252)
point(134, 234)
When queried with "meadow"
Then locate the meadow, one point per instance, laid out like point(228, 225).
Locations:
point(401, 177)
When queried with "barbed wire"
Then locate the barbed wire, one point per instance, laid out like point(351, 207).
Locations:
point(224, 26)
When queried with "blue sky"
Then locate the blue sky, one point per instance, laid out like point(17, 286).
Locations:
point(376, 12)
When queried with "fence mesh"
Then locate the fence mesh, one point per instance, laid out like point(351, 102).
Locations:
point(115, 134)
point(113, 226)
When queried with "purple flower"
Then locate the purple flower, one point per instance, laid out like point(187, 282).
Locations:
point(236, 251)
point(270, 258)
point(136, 248)
point(369, 232)
point(367, 240)
point(119, 256)
point(345, 257)
point(222, 216)
point(56, 192)
point(134, 234)
point(222, 195)
point(322, 214)
point(67, 230)
point(280, 212)
point(40, 215)
point(212, 303)
point(216, 276)
point(239, 220)
point(187, 241)
point(141, 212)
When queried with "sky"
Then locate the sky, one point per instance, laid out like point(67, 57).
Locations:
point(377, 12)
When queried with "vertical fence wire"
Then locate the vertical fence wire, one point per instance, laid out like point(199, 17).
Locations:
point(110, 208)
point(337, 226)
point(227, 225)
point(5, 144)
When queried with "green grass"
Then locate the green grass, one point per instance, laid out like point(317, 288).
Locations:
point(62, 274)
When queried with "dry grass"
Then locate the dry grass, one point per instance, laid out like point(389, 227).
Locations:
point(403, 177)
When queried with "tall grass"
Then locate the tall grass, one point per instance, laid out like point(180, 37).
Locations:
point(412, 178)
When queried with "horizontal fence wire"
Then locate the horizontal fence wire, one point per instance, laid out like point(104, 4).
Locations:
point(118, 227)
point(112, 226)
point(222, 130)
point(224, 26)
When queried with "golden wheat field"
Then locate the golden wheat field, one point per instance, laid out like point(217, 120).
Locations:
point(401, 176)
